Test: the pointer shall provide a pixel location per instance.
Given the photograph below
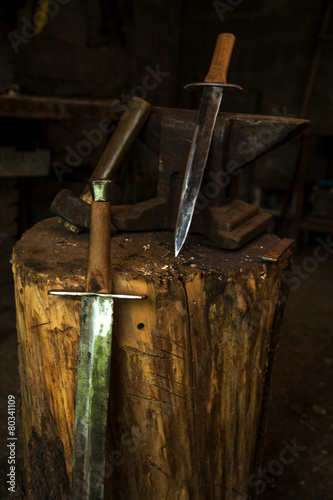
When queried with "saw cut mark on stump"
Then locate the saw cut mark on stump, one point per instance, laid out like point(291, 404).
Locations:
point(190, 365)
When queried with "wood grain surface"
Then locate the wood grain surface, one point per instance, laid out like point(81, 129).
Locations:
point(190, 365)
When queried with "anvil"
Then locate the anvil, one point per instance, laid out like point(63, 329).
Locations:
point(238, 140)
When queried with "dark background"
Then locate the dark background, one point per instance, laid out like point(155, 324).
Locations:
point(92, 49)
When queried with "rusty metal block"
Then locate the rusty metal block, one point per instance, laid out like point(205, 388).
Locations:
point(237, 141)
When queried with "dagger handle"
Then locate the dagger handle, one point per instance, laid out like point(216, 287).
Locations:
point(99, 258)
point(220, 62)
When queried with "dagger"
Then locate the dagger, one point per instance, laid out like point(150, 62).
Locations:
point(211, 99)
point(94, 363)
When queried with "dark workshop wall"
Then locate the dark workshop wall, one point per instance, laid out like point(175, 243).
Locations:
point(152, 48)
point(272, 55)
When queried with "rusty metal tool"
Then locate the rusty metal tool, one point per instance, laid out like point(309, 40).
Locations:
point(274, 254)
point(94, 364)
point(75, 210)
point(211, 98)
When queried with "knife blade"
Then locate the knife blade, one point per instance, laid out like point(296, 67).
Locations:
point(211, 99)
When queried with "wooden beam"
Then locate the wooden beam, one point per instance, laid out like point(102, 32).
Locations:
point(56, 108)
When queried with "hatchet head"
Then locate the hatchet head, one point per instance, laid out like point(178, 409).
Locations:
point(72, 209)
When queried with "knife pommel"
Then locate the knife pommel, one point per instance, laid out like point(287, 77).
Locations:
point(220, 62)
point(99, 259)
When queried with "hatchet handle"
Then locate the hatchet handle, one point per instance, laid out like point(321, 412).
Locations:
point(99, 258)
point(119, 143)
point(122, 138)
point(220, 62)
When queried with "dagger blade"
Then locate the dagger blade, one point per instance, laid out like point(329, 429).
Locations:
point(92, 396)
point(209, 107)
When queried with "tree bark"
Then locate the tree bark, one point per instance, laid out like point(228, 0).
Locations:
point(190, 365)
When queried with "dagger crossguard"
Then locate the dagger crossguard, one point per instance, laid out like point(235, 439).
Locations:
point(227, 86)
point(75, 293)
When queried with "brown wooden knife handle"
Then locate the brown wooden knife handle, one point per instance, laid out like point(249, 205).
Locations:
point(220, 62)
point(120, 141)
point(99, 259)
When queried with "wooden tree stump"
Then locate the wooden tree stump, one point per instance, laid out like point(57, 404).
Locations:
point(190, 365)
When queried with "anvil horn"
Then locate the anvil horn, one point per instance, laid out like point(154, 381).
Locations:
point(252, 136)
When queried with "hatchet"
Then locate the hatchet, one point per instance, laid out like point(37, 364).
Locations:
point(76, 210)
